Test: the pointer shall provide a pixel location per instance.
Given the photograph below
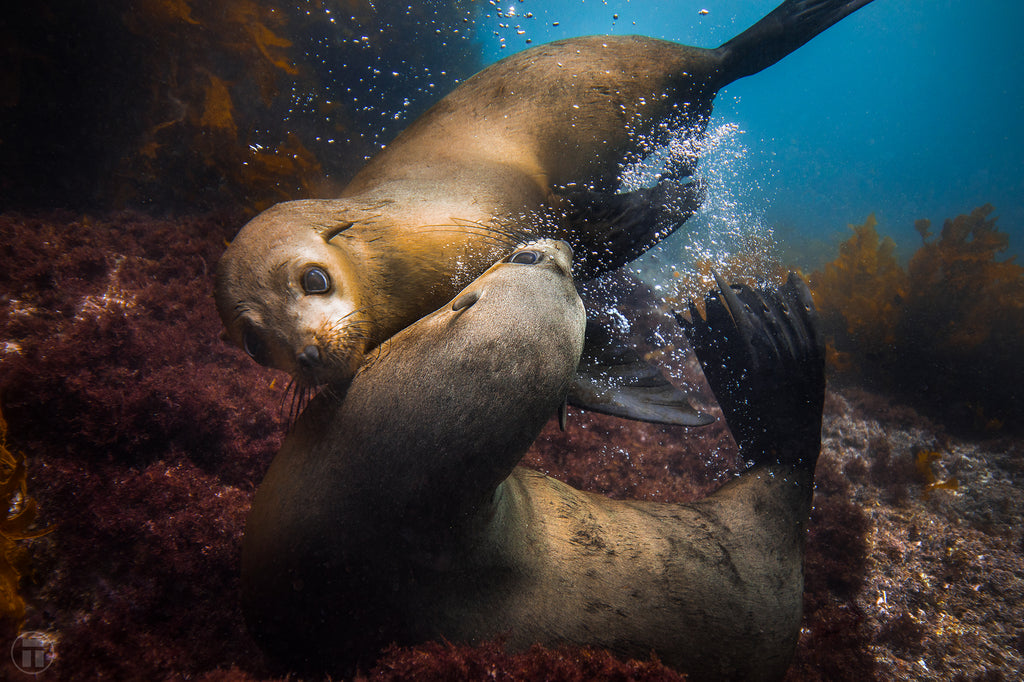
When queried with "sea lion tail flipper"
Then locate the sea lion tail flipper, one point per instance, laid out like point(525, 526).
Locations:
point(764, 357)
point(613, 379)
point(783, 30)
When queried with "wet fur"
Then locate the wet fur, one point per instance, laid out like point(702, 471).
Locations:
point(399, 515)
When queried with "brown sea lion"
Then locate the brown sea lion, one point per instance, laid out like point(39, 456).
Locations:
point(399, 514)
point(530, 146)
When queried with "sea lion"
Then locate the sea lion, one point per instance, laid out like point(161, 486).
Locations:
point(530, 146)
point(398, 514)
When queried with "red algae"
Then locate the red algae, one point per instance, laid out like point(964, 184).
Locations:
point(128, 353)
point(438, 662)
point(149, 436)
point(633, 460)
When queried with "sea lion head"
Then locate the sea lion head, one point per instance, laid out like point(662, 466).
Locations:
point(550, 255)
point(466, 389)
point(289, 293)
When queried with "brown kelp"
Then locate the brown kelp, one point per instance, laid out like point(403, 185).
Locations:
point(17, 522)
point(859, 294)
point(945, 330)
point(923, 460)
point(185, 103)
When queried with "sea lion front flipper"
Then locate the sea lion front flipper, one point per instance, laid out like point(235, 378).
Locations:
point(608, 230)
point(613, 379)
point(764, 357)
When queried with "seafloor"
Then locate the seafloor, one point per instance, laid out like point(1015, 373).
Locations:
point(145, 436)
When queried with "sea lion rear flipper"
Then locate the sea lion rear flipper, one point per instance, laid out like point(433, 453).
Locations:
point(613, 379)
point(608, 230)
point(780, 32)
point(764, 357)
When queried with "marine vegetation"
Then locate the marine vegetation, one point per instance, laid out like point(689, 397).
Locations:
point(436, 662)
point(754, 262)
point(923, 461)
point(859, 295)
point(944, 331)
point(186, 103)
point(17, 517)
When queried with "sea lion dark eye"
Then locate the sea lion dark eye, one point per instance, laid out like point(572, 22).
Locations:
point(525, 257)
point(316, 281)
point(253, 344)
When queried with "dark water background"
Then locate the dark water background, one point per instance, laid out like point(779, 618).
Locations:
point(908, 108)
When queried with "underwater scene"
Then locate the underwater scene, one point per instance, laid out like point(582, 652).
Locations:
point(627, 360)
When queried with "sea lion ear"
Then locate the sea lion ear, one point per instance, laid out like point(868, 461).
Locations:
point(329, 233)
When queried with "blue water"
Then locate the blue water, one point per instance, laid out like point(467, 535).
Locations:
point(908, 108)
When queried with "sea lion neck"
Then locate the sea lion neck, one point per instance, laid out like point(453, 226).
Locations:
point(414, 255)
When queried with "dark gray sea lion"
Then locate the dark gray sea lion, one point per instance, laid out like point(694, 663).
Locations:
point(530, 146)
point(399, 514)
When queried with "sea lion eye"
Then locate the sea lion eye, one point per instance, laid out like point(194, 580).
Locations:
point(525, 257)
point(253, 344)
point(316, 281)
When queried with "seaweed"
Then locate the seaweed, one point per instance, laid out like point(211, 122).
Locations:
point(113, 350)
point(964, 321)
point(923, 460)
point(834, 638)
point(239, 102)
point(16, 524)
point(150, 432)
point(445, 661)
point(859, 295)
point(754, 262)
point(944, 332)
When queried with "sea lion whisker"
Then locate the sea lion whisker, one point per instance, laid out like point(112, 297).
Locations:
point(289, 399)
point(494, 235)
point(357, 311)
point(331, 392)
point(302, 398)
point(462, 225)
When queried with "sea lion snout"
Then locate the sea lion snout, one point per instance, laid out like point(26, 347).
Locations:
point(309, 358)
point(547, 254)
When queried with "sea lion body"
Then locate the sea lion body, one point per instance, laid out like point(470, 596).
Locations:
point(390, 482)
point(399, 514)
point(713, 588)
point(530, 147)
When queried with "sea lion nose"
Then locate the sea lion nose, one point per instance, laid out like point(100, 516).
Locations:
point(308, 358)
